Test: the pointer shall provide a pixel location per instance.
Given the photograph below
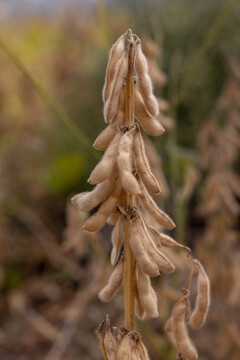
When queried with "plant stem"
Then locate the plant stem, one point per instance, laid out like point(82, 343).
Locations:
point(129, 270)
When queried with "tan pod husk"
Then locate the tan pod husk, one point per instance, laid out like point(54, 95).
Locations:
point(150, 123)
point(106, 167)
point(87, 201)
point(99, 219)
point(184, 344)
point(124, 161)
point(105, 137)
point(124, 349)
point(149, 204)
point(140, 253)
point(114, 283)
point(144, 82)
point(114, 55)
point(199, 314)
point(142, 165)
point(111, 345)
point(111, 105)
point(163, 263)
point(147, 294)
point(117, 239)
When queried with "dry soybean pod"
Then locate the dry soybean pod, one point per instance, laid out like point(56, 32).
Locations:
point(184, 345)
point(105, 137)
point(142, 164)
point(150, 205)
point(140, 253)
point(199, 314)
point(154, 253)
point(144, 82)
point(98, 220)
point(124, 161)
point(117, 240)
point(150, 124)
point(105, 167)
point(110, 342)
point(111, 105)
point(89, 200)
point(115, 54)
point(114, 283)
point(147, 294)
point(124, 349)
point(166, 241)
point(139, 307)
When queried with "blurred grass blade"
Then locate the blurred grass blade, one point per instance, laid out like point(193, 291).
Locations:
point(208, 41)
point(102, 14)
point(58, 111)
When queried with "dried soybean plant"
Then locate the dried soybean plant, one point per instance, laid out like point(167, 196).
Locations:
point(123, 180)
point(219, 143)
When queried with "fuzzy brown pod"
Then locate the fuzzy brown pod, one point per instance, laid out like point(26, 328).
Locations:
point(125, 166)
point(149, 204)
point(184, 344)
point(111, 105)
point(150, 123)
point(99, 219)
point(115, 54)
point(142, 165)
point(105, 137)
point(144, 82)
point(199, 314)
point(114, 283)
point(106, 167)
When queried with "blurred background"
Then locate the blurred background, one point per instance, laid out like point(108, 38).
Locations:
point(53, 56)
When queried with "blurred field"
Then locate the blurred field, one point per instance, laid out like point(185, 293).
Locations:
point(50, 272)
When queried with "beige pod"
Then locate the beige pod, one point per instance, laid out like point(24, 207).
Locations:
point(115, 54)
point(147, 294)
point(184, 344)
point(111, 105)
point(114, 283)
point(144, 82)
point(163, 263)
point(87, 201)
point(140, 253)
point(139, 307)
point(150, 123)
point(125, 166)
point(142, 351)
point(124, 349)
point(106, 167)
point(117, 240)
point(98, 220)
point(199, 314)
point(149, 204)
point(142, 164)
point(111, 345)
point(105, 137)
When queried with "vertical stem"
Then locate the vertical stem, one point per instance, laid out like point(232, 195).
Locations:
point(129, 271)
